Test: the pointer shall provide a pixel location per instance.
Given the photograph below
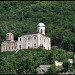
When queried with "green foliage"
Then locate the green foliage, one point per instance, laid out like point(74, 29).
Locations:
point(26, 61)
point(68, 67)
point(26, 67)
point(52, 70)
point(20, 17)
point(58, 54)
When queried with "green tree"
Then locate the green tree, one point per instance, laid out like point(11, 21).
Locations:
point(52, 70)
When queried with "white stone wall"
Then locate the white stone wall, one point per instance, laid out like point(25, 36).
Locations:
point(28, 41)
point(8, 46)
point(34, 41)
point(41, 28)
point(45, 41)
point(57, 63)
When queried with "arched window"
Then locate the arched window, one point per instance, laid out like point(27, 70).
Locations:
point(41, 30)
point(20, 46)
point(40, 38)
point(12, 47)
point(28, 38)
point(35, 37)
point(28, 47)
point(34, 45)
point(9, 48)
point(15, 47)
point(38, 30)
point(20, 39)
point(6, 48)
point(44, 40)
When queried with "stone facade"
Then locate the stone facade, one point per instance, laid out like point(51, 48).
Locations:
point(9, 44)
point(34, 40)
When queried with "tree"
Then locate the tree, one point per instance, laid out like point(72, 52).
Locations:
point(26, 67)
point(52, 70)
point(66, 66)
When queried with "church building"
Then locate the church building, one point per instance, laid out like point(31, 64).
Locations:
point(34, 40)
point(10, 44)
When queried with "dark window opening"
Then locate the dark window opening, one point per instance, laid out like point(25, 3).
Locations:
point(44, 40)
point(40, 38)
point(6, 48)
point(41, 30)
point(20, 46)
point(28, 47)
point(43, 70)
point(35, 45)
point(34, 37)
point(28, 38)
point(9, 48)
point(12, 47)
point(15, 47)
point(20, 39)
point(14, 44)
point(38, 30)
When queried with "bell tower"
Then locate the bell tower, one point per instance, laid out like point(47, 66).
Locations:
point(9, 37)
point(41, 28)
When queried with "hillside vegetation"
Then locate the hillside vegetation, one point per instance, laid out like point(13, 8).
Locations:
point(21, 17)
point(26, 61)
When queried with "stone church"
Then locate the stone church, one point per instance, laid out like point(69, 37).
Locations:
point(34, 40)
point(10, 44)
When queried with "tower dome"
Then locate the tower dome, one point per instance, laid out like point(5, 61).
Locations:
point(41, 24)
point(41, 28)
